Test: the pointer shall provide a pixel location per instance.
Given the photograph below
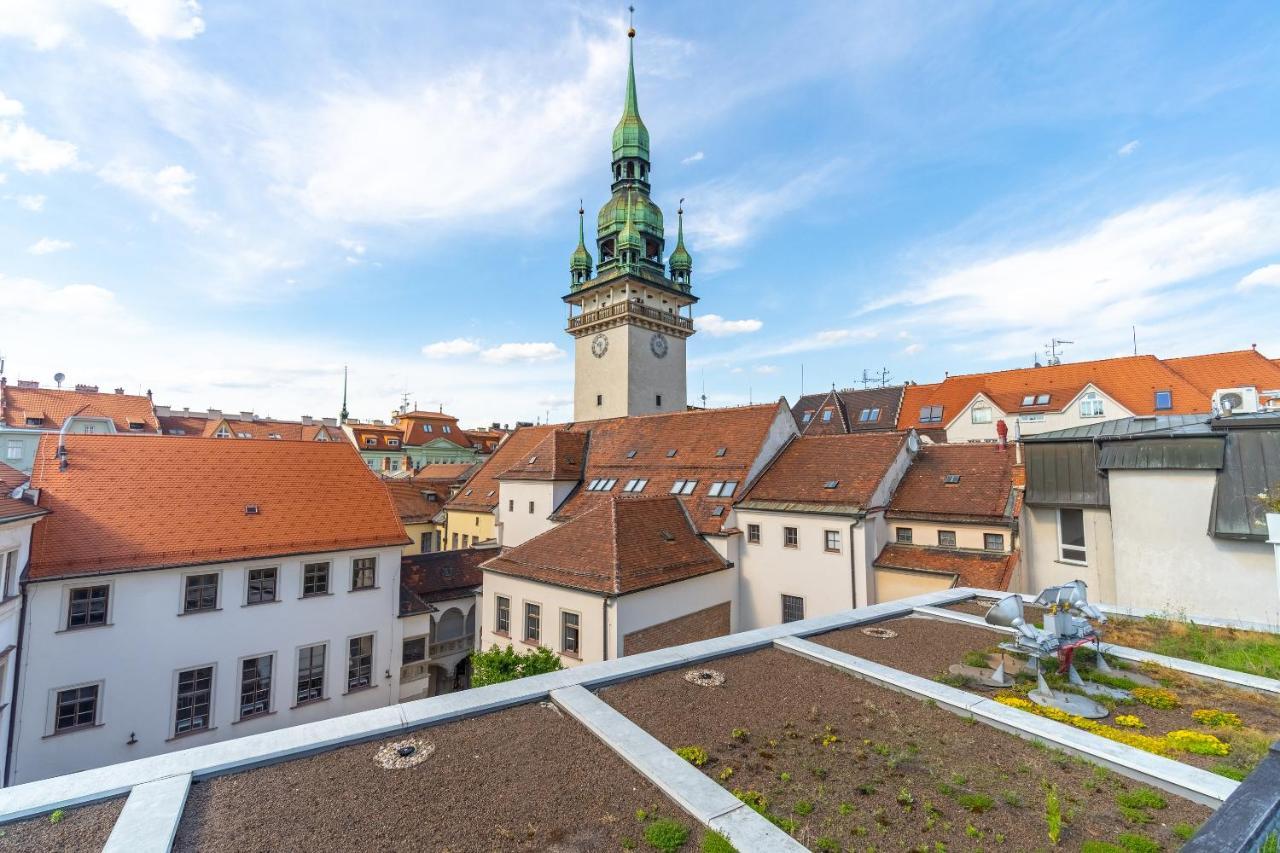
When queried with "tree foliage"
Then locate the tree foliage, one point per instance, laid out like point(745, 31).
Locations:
point(506, 664)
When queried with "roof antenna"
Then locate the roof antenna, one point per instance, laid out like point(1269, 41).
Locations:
point(1135, 339)
point(704, 375)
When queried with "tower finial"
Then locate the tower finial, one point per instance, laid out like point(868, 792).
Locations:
point(343, 414)
point(631, 30)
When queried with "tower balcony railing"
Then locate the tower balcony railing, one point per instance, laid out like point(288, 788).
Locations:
point(619, 309)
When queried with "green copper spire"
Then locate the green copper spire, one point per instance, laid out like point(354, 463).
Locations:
point(681, 261)
point(631, 137)
point(343, 415)
point(629, 238)
point(580, 261)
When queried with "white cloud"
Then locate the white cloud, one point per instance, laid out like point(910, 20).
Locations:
point(1263, 276)
point(719, 327)
point(526, 352)
point(767, 369)
point(47, 246)
point(912, 349)
point(31, 151)
point(3, 177)
point(162, 19)
point(451, 349)
point(170, 189)
point(692, 158)
point(9, 108)
point(43, 23)
point(33, 203)
point(353, 246)
point(1128, 148)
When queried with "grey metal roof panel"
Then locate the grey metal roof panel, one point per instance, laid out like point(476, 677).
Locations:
point(1250, 466)
point(1065, 474)
point(1186, 454)
point(1127, 427)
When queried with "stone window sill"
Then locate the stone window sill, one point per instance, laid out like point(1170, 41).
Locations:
point(252, 717)
point(191, 733)
point(201, 610)
point(73, 729)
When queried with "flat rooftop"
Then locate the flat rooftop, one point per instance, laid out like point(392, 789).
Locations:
point(842, 732)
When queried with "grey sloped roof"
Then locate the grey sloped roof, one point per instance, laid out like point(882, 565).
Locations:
point(1180, 425)
point(1251, 465)
point(1185, 454)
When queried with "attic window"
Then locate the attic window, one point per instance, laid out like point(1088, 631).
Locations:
point(868, 416)
point(275, 435)
point(252, 509)
point(533, 459)
point(1164, 400)
point(930, 414)
point(671, 453)
point(244, 435)
point(368, 442)
point(177, 432)
point(720, 451)
point(717, 512)
point(635, 485)
point(808, 416)
point(631, 454)
point(393, 442)
point(826, 415)
point(668, 537)
point(830, 484)
point(469, 491)
point(1029, 399)
point(137, 426)
point(601, 485)
point(1042, 400)
point(722, 489)
point(951, 479)
point(35, 421)
point(683, 487)
point(489, 494)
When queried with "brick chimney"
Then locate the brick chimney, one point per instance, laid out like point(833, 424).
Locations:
point(87, 389)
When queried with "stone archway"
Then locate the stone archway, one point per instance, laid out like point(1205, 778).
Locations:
point(462, 674)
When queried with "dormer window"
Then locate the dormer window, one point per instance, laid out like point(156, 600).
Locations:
point(447, 429)
point(808, 416)
point(930, 414)
point(426, 427)
point(1164, 400)
point(1091, 405)
point(35, 422)
point(393, 442)
point(275, 436)
point(137, 426)
point(244, 435)
point(951, 479)
point(371, 442)
point(826, 415)
point(222, 432)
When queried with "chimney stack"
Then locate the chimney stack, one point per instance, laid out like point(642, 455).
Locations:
point(1002, 434)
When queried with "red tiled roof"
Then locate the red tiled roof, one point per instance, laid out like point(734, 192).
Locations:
point(55, 405)
point(10, 477)
point(444, 472)
point(847, 407)
point(640, 447)
point(617, 546)
point(981, 569)
point(1131, 381)
point(411, 424)
point(438, 576)
point(382, 436)
point(258, 428)
point(855, 463)
point(559, 456)
point(1238, 369)
point(986, 482)
point(12, 509)
point(480, 494)
point(411, 502)
point(139, 502)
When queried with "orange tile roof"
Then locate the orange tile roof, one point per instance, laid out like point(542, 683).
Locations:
point(259, 428)
point(1131, 381)
point(981, 569)
point(10, 478)
point(12, 509)
point(1238, 369)
point(480, 494)
point(559, 456)
point(411, 500)
point(855, 463)
point(137, 502)
point(986, 483)
point(617, 546)
point(451, 472)
point(55, 405)
point(710, 446)
point(440, 576)
point(411, 425)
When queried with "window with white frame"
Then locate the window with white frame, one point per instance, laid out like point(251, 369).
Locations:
point(223, 432)
point(980, 414)
point(826, 416)
point(569, 632)
point(13, 449)
point(76, 708)
point(194, 700)
point(255, 686)
point(87, 606)
point(360, 662)
point(683, 487)
point(315, 578)
point(364, 573)
point(262, 585)
point(601, 485)
point(446, 428)
point(722, 490)
point(311, 665)
point(790, 537)
point(393, 442)
point(753, 534)
point(532, 622)
point(200, 593)
point(8, 568)
point(1071, 544)
point(635, 485)
point(1091, 405)
point(831, 540)
point(792, 608)
point(502, 615)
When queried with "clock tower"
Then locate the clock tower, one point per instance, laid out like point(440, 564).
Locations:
point(631, 318)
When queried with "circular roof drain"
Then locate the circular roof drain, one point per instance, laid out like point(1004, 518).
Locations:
point(705, 677)
point(404, 754)
point(880, 633)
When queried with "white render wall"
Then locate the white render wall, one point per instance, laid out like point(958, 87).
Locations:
point(136, 657)
point(628, 375)
point(516, 524)
point(15, 536)
point(962, 428)
point(1166, 560)
point(553, 599)
point(660, 604)
point(1040, 553)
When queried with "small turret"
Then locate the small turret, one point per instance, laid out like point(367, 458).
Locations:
point(580, 261)
point(681, 261)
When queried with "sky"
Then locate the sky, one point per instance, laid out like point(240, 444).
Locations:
point(228, 202)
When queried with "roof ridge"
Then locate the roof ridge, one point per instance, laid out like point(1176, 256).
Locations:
point(1140, 357)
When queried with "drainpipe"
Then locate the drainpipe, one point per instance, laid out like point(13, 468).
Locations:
point(17, 673)
point(853, 561)
point(604, 620)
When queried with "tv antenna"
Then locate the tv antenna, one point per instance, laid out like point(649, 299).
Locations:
point(404, 402)
point(1053, 351)
point(704, 384)
point(878, 377)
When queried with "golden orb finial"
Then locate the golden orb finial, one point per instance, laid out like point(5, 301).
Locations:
point(631, 31)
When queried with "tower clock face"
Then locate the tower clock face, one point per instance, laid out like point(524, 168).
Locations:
point(599, 346)
point(658, 343)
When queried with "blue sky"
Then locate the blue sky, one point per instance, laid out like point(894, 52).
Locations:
point(228, 201)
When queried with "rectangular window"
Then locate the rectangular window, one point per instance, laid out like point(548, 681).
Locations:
point(466, 541)
point(364, 572)
point(195, 698)
point(502, 615)
point(635, 485)
point(454, 546)
point(826, 415)
point(808, 416)
point(76, 708)
point(511, 505)
point(1091, 405)
point(993, 541)
point(315, 578)
point(568, 632)
point(980, 414)
point(903, 535)
point(262, 585)
point(753, 534)
point(426, 543)
point(87, 607)
point(722, 490)
point(947, 538)
point(255, 685)
point(658, 400)
point(360, 662)
point(792, 608)
point(1071, 547)
point(790, 537)
point(530, 507)
point(831, 540)
point(599, 399)
point(414, 650)
point(1164, 400)
point(13, 450)
point(201, 593)
point(311, 660)
point(930, 414)
point(394, 442)
point(8, 564)
point(532, 623)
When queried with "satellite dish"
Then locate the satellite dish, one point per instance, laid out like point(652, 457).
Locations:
point(58, 377)
point(913, 442)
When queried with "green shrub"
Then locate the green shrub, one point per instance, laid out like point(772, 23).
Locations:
point(1101, 847)
point(845, 808)
point(1137, 843)
point(905, 797)
point(1230, 771)
point(498, 664)
point(1053, 815)
point(666, 835)
point(827, 844)
point(714, 842)
point(1156, 697)
point(1184, 831)
point(1141, 798)
point(57, 815)
point(802, 807)
point(695, 755)
point(740, 734)
point(976, 803)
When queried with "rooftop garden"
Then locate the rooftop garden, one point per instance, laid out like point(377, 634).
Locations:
point(841, 764)
point(83, 829)
point(1244, 651)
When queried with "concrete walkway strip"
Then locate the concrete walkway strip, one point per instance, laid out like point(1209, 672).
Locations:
point(689, 787)
point(1243, 680)
point(149, 819)
point(1177, 778)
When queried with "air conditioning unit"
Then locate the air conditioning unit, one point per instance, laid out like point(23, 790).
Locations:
point(1235, 401)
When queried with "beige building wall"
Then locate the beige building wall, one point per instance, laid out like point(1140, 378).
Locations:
point(1041, 561)
point(967, 536)
point(1166, 560)
point(525, 508)
point(476, 526)
point(962, 428)
point(554, 600)
point(671, 601)
point(628, 377)
point(892, 584)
